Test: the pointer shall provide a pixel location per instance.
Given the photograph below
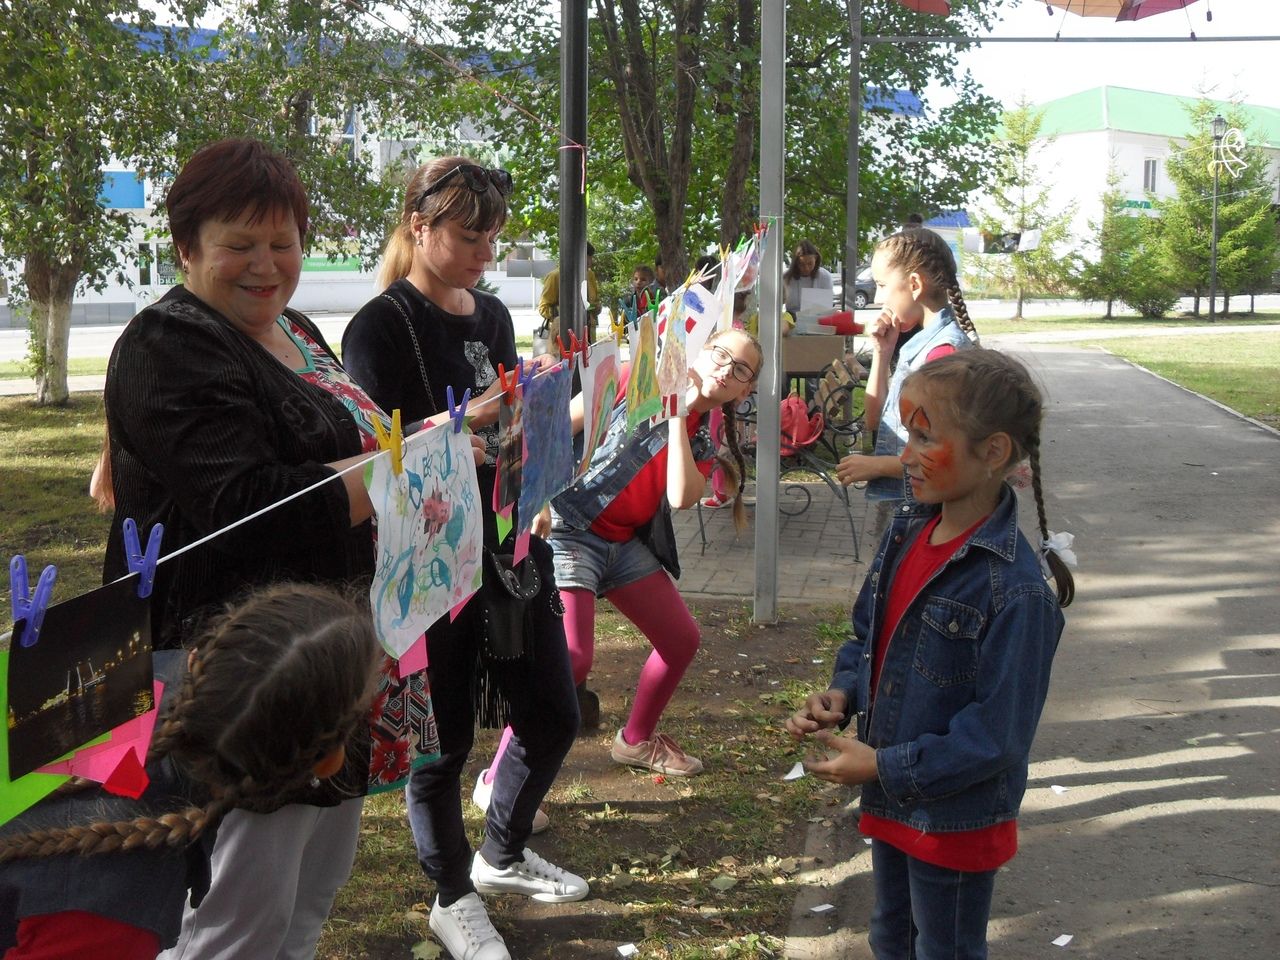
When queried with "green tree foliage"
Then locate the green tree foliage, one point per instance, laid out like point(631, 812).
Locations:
point(1247, 244)
point(1127, 265)
point(133, 85)
point(1021, 199)
point(674, 102)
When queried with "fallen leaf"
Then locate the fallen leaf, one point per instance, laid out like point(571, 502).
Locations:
point(724, 882)
point(425, 950)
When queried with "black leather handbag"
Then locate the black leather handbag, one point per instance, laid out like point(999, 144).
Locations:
point(505, 595)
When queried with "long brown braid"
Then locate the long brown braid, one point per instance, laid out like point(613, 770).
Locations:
point(988, 392)
point(735, 465)
point(923, 251)
point(274, 686)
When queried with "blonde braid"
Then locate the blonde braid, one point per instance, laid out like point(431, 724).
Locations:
point(961, 310)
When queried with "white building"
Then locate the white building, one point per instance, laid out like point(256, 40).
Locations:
point(1134, 132)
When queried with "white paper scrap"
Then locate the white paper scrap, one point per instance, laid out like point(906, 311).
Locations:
point(795, 772)
point(1063, 940)
point(628, 950)
point(1058, 788)
point(822, 908)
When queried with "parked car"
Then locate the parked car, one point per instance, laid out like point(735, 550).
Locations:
point(864, 289)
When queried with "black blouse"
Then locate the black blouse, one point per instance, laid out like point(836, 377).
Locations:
point(207, 427)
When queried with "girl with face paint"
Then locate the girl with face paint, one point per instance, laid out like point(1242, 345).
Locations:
point(954, 633)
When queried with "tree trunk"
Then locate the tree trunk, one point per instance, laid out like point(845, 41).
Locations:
point(733, 210)
point(1195, 303)
point(1021, 297)
point(1108, 314)
point(52, 288)
point(1226, 304)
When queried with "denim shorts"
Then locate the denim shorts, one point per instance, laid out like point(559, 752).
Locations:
point(585, 561)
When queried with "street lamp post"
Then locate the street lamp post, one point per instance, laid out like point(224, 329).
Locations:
point(1219, 131)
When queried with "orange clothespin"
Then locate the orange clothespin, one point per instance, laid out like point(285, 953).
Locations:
point(393, 441)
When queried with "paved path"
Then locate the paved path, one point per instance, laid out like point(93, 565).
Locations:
point(1163, 723)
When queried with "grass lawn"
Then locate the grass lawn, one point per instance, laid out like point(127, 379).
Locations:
point(76, 367)
point(1077, 322)
point(1241, 370)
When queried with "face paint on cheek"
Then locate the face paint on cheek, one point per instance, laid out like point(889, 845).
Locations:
point(939, 463)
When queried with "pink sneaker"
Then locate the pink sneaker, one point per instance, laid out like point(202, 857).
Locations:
point(715, 502)
point(660, 754)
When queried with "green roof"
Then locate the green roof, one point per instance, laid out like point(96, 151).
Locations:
point(1143, 111)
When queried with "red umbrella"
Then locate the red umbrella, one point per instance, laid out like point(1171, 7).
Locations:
point(941, 7)
point(1119, 9)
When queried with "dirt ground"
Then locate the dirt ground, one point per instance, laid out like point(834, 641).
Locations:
point(603, 813)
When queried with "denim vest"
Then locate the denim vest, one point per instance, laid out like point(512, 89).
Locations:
point(615, 464)
point(892, 435)
point(964, 679)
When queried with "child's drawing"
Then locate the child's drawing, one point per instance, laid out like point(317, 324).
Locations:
point(644, 399)
point(430, 535)
point(673, 363)
point(548, 441)
point(510, 452)
point(598, 399)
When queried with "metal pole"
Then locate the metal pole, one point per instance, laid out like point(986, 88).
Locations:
point(1213, 240)
point(851, 262)
point(573, 131)
point(773, 32)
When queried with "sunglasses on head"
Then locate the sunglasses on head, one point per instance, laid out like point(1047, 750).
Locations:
point(476, 177)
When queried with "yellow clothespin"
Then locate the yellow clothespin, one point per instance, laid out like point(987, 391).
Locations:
point(619, 328)
point(393, 441)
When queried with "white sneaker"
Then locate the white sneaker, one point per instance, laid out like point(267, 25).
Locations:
point(464, 929)
point(483, 791)
point(532, 877)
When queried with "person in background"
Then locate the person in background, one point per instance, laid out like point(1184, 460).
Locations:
point(945, 676)
point(643, 295)
point(805, 272)
point(549, 303)
point(264, 702)
point(915, 274)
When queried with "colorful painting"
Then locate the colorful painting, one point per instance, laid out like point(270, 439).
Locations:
point(599, 395)
point(644, 399)
point(548, 441)
point(89, 672)
point(510, 452)
point(430, 534)
point(701, 311)
point(673, 361)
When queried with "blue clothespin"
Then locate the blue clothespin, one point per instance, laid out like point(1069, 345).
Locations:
point(526, 373)
point(27, 606)
point(457, 414)
point(143, 564)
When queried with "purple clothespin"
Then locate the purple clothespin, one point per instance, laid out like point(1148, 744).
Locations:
point(27, 606)
point(526, 373)
point(457, 414)
point(143, 564)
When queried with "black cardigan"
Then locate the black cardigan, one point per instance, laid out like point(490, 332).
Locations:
point(206, 427)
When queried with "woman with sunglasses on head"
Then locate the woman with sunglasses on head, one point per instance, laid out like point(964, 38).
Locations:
point(427, 331)
point(612, 537)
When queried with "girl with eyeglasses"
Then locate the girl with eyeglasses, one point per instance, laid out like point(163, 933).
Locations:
point(430, 329)
point(612, 537)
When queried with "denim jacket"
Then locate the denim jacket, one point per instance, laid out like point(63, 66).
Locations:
point(964, 679)
point(892, 435)
point(615, 464)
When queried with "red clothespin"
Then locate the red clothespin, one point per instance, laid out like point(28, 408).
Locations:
point(26, 605)
point(140, 562)
point(508, 386)
point(579, 347)
point(566, 353)
point(458, 413)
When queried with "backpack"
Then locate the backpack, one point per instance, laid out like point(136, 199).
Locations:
point(800, 429)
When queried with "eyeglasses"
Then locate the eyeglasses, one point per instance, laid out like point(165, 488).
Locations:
point(741, 372)
point(477, 178)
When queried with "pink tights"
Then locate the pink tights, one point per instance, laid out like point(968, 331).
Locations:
point(656, 607)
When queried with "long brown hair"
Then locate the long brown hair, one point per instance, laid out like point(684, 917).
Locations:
point(734, 464)
point(274, 686)
point(804, 248)
point(922, 251)
point(986, 392)
point(454, 201)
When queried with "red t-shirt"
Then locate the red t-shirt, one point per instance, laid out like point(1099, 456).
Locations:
point(639, 500)
point(77, 933)
point(971, 850)
point(939, 351)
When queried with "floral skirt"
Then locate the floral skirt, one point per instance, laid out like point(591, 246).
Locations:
point(402, 726)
